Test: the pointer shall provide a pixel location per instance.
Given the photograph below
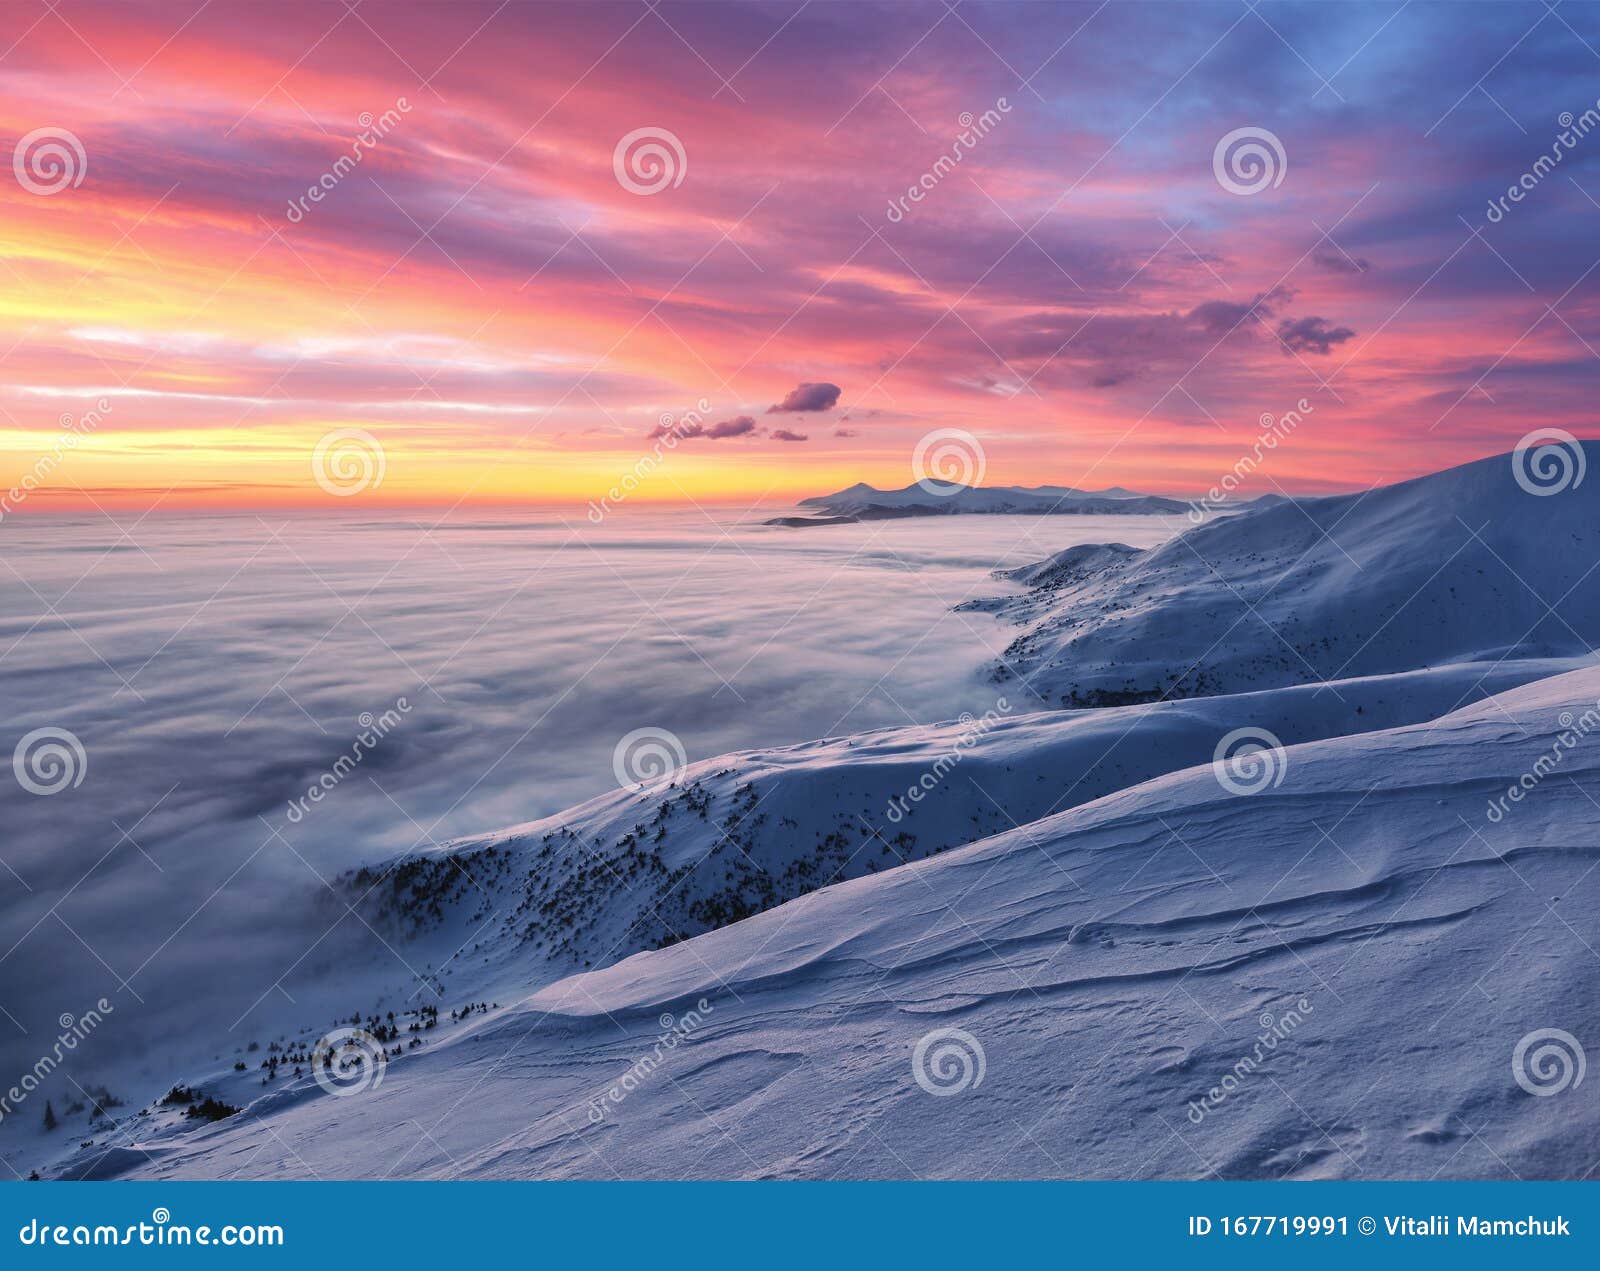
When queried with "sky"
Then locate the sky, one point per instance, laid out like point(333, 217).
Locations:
point(445, 254)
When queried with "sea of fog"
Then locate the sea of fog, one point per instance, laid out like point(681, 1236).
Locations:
point(213, 668)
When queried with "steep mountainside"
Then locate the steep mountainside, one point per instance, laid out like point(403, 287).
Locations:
point(1350, 971)
point(1463, 565)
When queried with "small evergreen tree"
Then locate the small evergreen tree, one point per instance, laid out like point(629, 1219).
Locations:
point(49, 1116)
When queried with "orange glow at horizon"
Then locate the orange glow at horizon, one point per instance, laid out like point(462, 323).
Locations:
point(483, 287)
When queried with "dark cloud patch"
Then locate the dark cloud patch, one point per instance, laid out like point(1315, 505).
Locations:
point(1337, 262)
point(845, 432)
point(783, 434)
point(1219, 317)
point(1311, 335)
point(738, 426)
point(807, 397)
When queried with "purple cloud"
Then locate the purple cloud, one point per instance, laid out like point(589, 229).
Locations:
point(1311, 335)
point(738, 426)
point(783, 434)
point(807, 397)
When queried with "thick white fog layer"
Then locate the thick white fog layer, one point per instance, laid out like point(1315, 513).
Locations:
point(473, 673)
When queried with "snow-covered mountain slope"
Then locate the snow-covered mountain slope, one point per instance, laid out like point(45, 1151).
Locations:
point(1461, 565)
point(931, 497)
point(495, 916)
point(732, 836)
point(1329, 976)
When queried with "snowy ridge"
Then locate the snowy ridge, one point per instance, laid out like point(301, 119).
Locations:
point(732, 836)
point(1319, 966)
point(1113, 962)
point(1458, 566)
point(932, 497)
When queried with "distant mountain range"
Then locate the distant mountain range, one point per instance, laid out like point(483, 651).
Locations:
point(862, 502)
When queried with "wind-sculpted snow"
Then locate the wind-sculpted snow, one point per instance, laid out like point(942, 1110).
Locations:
point(1462, 565)
point(1326, 978)
point(1293, 920)
point(743, 833)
